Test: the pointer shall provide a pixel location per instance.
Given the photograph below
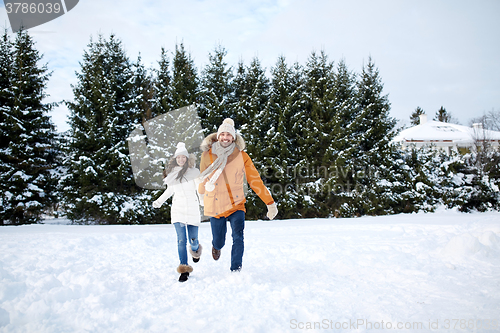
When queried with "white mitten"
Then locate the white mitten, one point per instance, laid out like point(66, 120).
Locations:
point(272, 211)
point(167, 194)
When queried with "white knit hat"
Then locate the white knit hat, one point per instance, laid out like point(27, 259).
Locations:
point(181, 150)
point(227, 126)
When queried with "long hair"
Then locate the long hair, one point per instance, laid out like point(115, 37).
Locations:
point(172, 164)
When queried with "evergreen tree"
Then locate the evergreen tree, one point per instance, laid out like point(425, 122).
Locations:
point(162, 100)
point(343, 133)
point(8, 168)
point(374, 125)
point(26, 153)
point(476, 178)
point(6, 92)
point(318, 89)
point(373, 130)
point(217, 92)
point(240, 98)
point(257, 85)
point(99, 186)
point(415, 116)
point(184, 84)
point(144, 90)
point(410, 181)
point(274, 153)
point(316, 124)
point(251, 87)
point(442, 115)
point(179, 90)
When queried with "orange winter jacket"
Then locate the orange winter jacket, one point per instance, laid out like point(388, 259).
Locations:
point(228, 195)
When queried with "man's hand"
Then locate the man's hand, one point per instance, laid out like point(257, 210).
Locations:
point(272, 211)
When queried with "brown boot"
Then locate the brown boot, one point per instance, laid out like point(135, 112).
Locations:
point(196, 254)
point(184, 270)
point(215, 253)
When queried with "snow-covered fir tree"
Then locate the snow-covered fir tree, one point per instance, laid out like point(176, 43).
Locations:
point(477, 180)
point(185, 82)
point(99, 186)
point(27, 153)
point(6, 92)
point(252, 91)
point(318, 111)
point(240, 96)
point(216, 91)
point(280, 124)
point(257, 96)
point(144, 90)
point(372, 132)
point(162, 96)
point(339, 178)
point(374, 124)
point(317, 121)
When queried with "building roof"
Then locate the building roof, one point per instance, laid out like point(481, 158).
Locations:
point(436, 131)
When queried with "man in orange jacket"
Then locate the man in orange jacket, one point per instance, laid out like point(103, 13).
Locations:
point(224, 166)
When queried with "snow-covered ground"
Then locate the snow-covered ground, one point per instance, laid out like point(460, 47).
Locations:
point(435, 272)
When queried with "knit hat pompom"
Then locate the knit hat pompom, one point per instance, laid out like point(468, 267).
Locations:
point(228, 121)
point(227, 126)
point(181, 150)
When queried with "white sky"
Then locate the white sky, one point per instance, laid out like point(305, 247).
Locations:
point(430, 53)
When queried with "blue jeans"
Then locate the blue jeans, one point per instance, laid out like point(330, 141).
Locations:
point(219, 229)
point(192, 231)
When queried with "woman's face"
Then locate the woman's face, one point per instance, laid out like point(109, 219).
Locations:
point(181, 160)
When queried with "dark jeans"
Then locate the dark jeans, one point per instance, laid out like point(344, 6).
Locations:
point(219, 229)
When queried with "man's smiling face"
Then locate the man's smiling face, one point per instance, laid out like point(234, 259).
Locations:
point(225, 139)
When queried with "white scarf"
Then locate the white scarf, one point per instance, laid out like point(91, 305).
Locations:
point(171, 178)
point(218, 165)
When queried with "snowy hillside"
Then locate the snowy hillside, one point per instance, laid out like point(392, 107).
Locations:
point(435, 272)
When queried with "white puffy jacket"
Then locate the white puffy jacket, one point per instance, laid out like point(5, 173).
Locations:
point(186, 203)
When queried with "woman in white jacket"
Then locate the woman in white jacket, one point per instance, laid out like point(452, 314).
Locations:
point(180, 177)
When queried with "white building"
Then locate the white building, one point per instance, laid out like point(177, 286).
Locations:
point(447, 136)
